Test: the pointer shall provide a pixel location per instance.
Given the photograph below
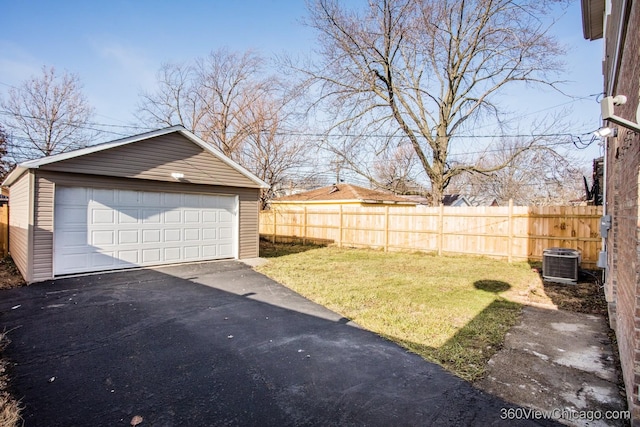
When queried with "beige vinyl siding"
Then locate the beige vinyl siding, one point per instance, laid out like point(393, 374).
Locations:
point(249, 216)
point(46, 182)
point(20, 223)
point(42, 265)
point(156, 159)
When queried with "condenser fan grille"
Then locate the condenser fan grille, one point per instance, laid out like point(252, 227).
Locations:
point(560, 265)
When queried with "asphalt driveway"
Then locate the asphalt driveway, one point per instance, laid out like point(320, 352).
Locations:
point(215, 344)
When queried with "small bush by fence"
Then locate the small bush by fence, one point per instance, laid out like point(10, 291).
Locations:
point(519, 233)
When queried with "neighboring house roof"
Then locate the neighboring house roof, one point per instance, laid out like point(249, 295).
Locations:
point(481, 201)
point(593, 18)
point(455, 200)
point(420, 200)
point(344, 193)
point(35, 164)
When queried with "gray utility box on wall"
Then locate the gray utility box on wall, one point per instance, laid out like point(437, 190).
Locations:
point(561, 265)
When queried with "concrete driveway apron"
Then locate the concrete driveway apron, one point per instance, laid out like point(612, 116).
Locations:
point(216, 344)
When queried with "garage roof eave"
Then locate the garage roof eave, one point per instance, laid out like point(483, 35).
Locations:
point(35, 164)
point(13, 176)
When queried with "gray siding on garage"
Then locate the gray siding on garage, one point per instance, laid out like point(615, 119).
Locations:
point(20, 225)
point(45, 189)
point(42, 265)
point(249, 234)
point(155, 159)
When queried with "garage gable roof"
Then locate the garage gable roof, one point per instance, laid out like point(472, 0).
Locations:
point(35, 164)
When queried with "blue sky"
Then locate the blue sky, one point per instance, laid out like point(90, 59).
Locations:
point(117, 46)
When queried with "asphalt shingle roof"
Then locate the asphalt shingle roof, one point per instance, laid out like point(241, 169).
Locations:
point(344, 192)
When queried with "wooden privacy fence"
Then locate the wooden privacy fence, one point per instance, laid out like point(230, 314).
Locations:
point(517, 233)
point(4, 230)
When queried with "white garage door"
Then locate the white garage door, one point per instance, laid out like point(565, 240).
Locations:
point(103, 229)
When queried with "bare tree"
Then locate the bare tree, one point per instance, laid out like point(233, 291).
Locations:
point(539, 176)
point(395, 170)
point(46, 115)
point(6, 164)
point(424, 70)
point(272, 153)
point(210, 97)
point(228, 100)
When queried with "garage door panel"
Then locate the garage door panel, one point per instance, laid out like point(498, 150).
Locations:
point(225, 250)
point(98, 229)
point(103, 196)
point(192, 201)
point(191, 216)
point(172, 235)
point(74, 218)
point(209, 234)
point(129, 257)
point(173, 217)
point(76, 238)
point(209, 251)
point(73, 195)
point(191, 252)
point(128, 237)
point(102, 216)
point(102, 238)
point(150, 256)
point(151, 216)
point(103, 259)
point(226, 217)
point(172, 254)
point(151, 198)
point(128, 198)
point(150, 236)
point(209, 216)
point(173, 199)
point(128, 216)
point(191, 234)
point(225, 232)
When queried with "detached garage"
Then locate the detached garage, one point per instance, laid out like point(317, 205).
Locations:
point(157, 198)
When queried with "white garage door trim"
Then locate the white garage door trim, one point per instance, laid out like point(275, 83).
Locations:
point(97, 229)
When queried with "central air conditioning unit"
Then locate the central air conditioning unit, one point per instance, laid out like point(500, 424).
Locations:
point(561, 265)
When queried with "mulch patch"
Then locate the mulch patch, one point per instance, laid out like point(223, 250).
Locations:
point(10, 277)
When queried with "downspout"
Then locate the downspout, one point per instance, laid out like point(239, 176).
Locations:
point(613, 74)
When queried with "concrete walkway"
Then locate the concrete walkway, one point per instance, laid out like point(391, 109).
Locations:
point(560, 361)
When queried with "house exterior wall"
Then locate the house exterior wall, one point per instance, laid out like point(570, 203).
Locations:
point(20, 223)
point(622, 287)
point(45, 182)
point(155, 159)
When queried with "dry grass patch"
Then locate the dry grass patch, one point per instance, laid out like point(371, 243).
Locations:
point(451, 310)
point(9, 407)
point(10, 277)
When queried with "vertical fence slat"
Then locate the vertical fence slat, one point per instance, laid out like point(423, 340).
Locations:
point(510, 242)
point(4, 230)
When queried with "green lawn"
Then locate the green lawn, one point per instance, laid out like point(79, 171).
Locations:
point(454, 311)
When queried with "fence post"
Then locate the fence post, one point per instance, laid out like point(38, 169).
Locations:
point(340, 228)
point(304, 227)
point(510, 243)
point(386, 228)
point(273, 238)
point(440, 229)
